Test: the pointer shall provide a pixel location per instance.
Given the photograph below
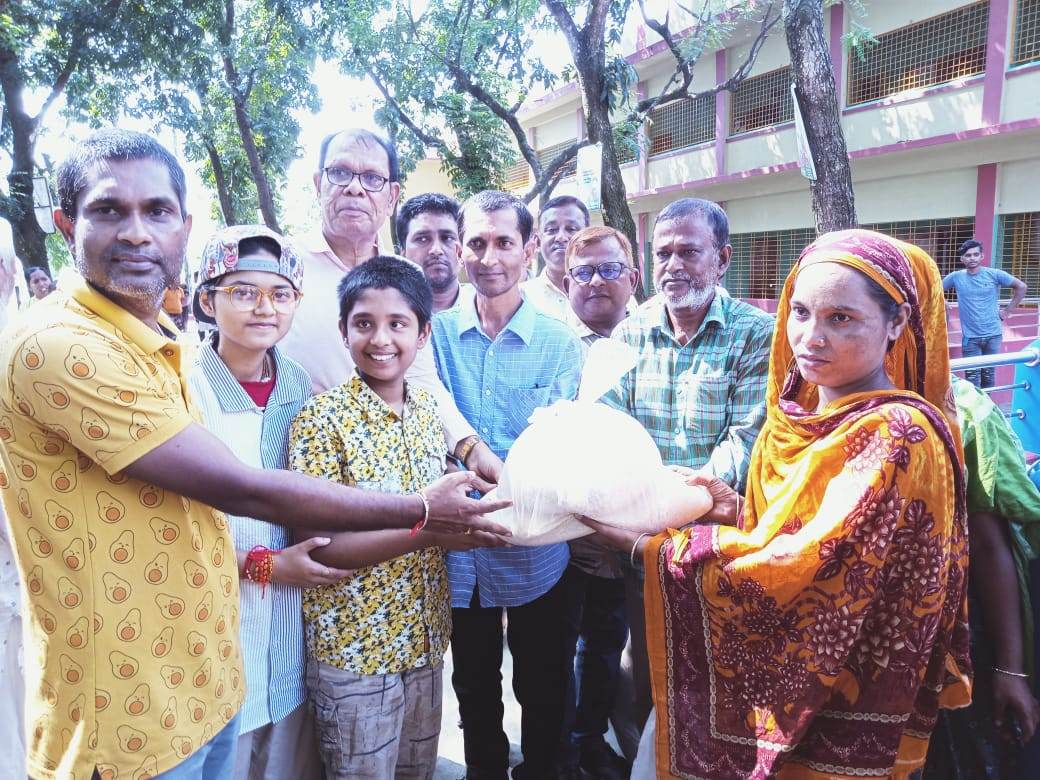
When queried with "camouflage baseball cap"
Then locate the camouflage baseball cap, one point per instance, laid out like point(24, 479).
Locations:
point(221, 255)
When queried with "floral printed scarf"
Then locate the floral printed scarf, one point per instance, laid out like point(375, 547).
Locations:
point(819, 639)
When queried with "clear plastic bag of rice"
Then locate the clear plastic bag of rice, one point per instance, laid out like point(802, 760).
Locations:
point(585, 458)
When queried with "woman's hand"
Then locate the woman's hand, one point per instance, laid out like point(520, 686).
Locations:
point(726, 501)
point(1013, 701)
point(294, 566)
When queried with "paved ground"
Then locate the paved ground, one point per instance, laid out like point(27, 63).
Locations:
point(451, 763)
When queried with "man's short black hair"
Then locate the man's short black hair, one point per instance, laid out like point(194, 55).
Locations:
point(968, 245)
point(708, 210)
point(116, 145)
point(564, 200)
point(489, 201)
point(381, 273)
point(368, 137)
point(427, 203)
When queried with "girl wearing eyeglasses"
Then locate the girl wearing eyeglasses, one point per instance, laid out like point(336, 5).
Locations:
point(248, 392)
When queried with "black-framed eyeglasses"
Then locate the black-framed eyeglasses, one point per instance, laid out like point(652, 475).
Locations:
point(608, 272)
point(342, 177)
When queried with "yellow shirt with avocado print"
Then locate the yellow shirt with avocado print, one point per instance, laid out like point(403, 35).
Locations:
point(132, 591)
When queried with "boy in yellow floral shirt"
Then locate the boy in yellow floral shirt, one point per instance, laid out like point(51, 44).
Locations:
point(375, 641)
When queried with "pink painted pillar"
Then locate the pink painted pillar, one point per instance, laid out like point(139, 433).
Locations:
point(985, 208)
point(837, 30)
point(643, 141)
point(996, 61)
point(721, 114)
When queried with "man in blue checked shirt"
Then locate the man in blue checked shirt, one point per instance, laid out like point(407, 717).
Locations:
point(501, 359)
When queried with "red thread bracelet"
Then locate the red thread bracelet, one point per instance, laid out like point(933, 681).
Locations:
point(259, 566)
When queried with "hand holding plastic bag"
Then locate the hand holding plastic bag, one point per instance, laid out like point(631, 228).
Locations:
point(585, 458)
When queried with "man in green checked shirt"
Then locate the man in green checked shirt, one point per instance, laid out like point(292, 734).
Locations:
point(698, 387)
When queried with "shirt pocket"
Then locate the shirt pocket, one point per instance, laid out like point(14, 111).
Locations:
point(523, 398)
point(706, 413)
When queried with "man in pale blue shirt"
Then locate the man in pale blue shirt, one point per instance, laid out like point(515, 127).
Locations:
point(501, 359)
point(978, 300)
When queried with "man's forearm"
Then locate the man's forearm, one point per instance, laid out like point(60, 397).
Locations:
point(1018, 293)
point(357, 550)
point(299, 501)
point(195, 464)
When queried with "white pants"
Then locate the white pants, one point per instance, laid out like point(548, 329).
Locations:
point(645, 765)
point(12, 666)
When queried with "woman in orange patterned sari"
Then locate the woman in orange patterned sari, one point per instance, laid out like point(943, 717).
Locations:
point(816, 630)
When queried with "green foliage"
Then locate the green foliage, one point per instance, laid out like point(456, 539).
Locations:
point(272, 50)
point(92, 51)
point(418, 61)
point(57, 253)
point(859, 38)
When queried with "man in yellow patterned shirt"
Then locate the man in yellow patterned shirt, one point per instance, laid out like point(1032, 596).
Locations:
point(108, 483)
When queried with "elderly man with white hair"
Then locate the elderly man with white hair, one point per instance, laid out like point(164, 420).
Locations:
point(357, 183)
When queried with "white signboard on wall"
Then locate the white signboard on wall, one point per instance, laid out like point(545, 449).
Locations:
point(590, 165)
point(805, 158)
point(43, 206)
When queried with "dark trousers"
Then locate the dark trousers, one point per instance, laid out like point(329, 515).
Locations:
point(634, 695)
point(598, 630)
point(987, 345)
point(537, 634)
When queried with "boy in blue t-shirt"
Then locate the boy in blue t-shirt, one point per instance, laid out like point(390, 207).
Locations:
point(978, 298)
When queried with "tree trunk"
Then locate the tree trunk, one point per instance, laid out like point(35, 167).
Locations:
point(27, 236)
point(227, 205)
point(588, 52)
point(263, 188)
point(833, 198)
point(614, 197)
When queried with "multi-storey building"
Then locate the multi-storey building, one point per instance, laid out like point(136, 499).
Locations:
point(941, 116)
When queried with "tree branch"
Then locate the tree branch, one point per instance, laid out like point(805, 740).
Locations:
point(251, 78)
point(595, 25)
point(76, 46)
point(59, 85)
point(418, 132)
point(463, 80)
point(565, 22)
point(553, 172)
point(667, 95)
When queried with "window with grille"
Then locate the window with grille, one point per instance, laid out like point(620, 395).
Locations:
point(549, 153)
point(941, 238)
point(517, 176)
point(681, 123)
point(1020, 247)
point(761, 261)
point(1027, 32)
point(762, 101)
point(937, 50)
